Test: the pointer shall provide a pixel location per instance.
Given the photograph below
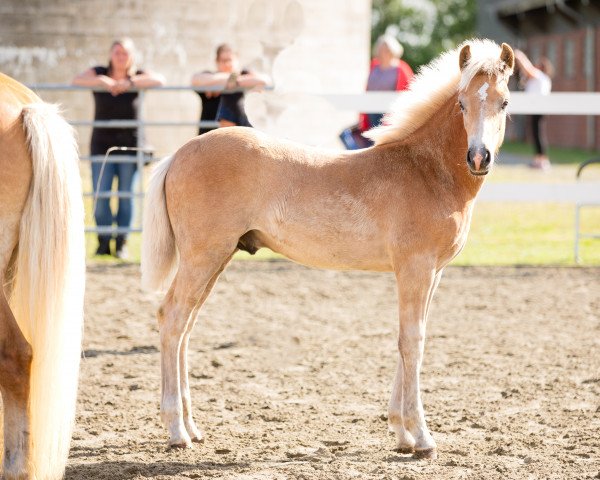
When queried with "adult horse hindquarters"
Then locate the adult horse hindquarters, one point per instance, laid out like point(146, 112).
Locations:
point(403, 205)
point(42, 268)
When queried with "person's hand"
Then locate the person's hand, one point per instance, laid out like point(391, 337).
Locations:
point(106, 82)
point(121, 86)
point(232, 81)
point(252, 80)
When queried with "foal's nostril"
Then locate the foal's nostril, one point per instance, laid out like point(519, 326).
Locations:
point(478, 159)
point(486, 158)
point(470, 157)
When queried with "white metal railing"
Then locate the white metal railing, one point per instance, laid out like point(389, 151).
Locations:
point(582, 204)
point(556, 103)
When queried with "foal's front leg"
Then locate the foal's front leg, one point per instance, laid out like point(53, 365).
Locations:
point(416, 284)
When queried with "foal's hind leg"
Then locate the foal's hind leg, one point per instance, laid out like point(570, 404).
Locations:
point(15, 369)
point(15, 365)
point(174, 316)
point(188, 420)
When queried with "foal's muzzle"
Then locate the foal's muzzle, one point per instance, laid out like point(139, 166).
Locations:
point(478, 160)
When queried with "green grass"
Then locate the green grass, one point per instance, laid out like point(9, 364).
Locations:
point(557, 155)
point(529, 234)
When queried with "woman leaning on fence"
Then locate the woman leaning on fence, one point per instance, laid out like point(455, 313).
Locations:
point(115, 101)
point(222, 102)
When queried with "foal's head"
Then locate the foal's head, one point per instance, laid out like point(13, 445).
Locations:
point(483, 97)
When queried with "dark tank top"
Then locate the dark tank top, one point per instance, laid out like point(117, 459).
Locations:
point(210, 105)
point(119, 107)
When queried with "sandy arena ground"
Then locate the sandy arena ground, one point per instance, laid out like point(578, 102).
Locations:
point(291, 371)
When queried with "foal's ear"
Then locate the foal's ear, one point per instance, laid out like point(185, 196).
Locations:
point(507, 56)
point(465, 56)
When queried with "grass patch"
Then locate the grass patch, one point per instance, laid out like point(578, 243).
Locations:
point(560, 155)
point(529, 234)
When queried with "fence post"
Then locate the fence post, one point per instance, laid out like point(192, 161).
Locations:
point(140, 154)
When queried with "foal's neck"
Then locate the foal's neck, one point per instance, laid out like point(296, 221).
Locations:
point(443, 137)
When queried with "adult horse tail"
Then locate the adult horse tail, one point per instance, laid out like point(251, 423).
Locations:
point(48, 285)
point(159, 252)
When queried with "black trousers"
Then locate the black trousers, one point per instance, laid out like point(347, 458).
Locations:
point(538, 130)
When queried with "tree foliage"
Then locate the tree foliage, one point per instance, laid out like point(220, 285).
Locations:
point(425, 28)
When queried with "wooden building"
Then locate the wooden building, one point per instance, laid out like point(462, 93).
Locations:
point(567, 32)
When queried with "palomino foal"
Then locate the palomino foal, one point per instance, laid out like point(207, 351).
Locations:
point(403, 205)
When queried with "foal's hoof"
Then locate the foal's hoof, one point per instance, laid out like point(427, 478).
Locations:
point(425, 454)
point(405, 450)
point(179, 446)
point(199, 439)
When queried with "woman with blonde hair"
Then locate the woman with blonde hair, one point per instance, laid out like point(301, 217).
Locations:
point(388, 73)
point(115, 99)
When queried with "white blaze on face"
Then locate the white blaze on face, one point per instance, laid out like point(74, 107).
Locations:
point(482, 92)
point(479, 136)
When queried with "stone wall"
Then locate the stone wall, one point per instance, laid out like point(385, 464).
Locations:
point(307, 46)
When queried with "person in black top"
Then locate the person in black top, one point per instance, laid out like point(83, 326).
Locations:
point(210, 104)
point(115, 102)
point(226, 108)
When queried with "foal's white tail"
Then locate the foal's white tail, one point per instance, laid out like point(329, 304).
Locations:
point(47, 294)
point(159, 252)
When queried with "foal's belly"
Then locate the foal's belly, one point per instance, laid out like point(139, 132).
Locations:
point(328, 243)
point(330, 255)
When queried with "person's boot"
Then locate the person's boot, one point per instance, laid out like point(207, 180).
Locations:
point(103, 245)
point(121, 248)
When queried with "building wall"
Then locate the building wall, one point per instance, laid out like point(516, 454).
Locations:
point(568, 52)
point(307, 46)
point(488, 25)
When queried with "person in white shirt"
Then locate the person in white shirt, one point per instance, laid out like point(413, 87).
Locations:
point(537, 81)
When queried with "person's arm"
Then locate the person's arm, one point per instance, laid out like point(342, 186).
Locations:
point(525, 64)
point(147, 80)
point(251, 80)
point(90, 78)
point(208, 79)
point(139, 80)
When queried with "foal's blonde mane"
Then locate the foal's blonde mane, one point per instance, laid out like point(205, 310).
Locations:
point(434, 85)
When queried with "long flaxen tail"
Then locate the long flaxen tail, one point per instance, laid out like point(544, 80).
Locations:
point(48, 286)
point(159, 252)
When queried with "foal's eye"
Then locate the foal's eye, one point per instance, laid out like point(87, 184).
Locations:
point(504, 104)
point(461, 105)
